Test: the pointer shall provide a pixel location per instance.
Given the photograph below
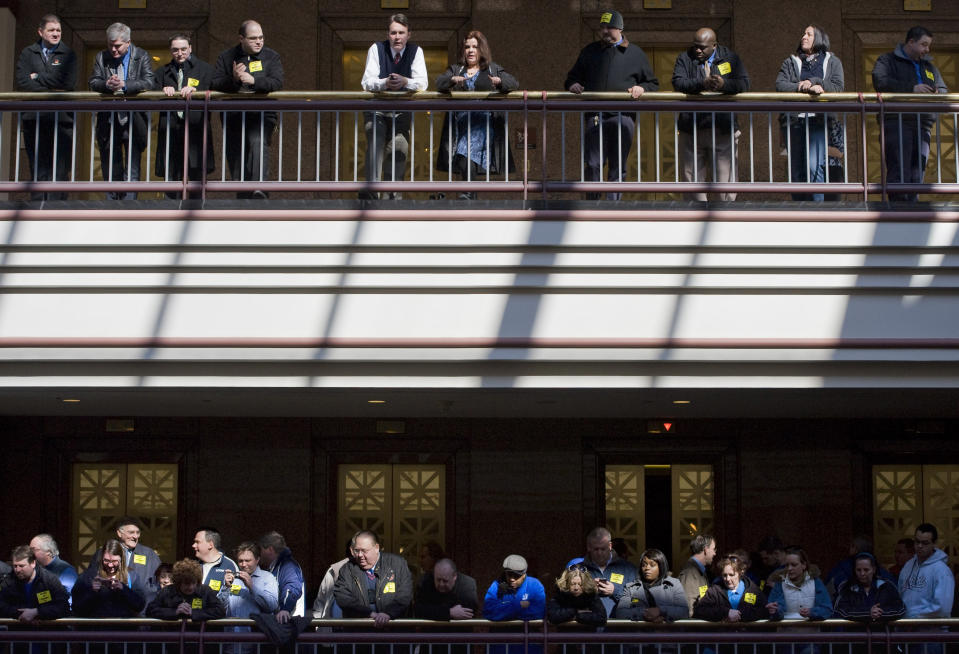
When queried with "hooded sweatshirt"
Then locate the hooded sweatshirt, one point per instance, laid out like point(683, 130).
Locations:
point(927, 588)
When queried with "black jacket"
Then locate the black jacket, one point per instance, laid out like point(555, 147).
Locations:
point(198, 74)
point(687, 78)
point(58, 73)
point(433, 605)
point(267, 71)
point(714, 605)
point(600, 67)
point(126, 602)
point(206, 605)
point(499, 157)
point(139, 78)
point(394, 588)
point(854, 604)
point(894, 72)
point(584, 609)
point(47, 595)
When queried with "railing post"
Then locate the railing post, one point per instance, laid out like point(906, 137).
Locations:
point(206, 126)
point(186, 149)
point(882, 147)
point(183, 636)
point(864, 148)
point(543, 146)
point(525, 144)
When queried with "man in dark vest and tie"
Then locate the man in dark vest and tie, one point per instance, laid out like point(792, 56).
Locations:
point(391, 65)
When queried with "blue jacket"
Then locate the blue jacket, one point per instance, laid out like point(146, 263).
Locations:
point(927, 587)
point(619, 571)
point(289, 580)
point(214, 576)
point(65, 572)
point(507, 606)
point(822, 604)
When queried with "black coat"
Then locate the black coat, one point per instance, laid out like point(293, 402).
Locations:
point(126, 602)
point(267, 71)
point(394, 588)
point(584, 609)
point(854, 604)
point(198, 74)
point(139, 78)
point(687, 78)
point(433, 605)
point(714, 605)
point(206, 605)
point(47, 595)
point(600, 67)
point(499, 158)
point(58, 73)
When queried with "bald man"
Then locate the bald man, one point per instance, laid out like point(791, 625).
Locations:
point(708, 67)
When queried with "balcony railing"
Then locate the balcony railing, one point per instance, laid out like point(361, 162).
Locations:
point(346, 636)
point(319, 143)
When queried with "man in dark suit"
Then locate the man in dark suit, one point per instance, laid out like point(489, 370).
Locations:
point(48, 65)
point(182, 77)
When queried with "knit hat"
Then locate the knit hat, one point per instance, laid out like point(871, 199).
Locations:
point(515, 563)
point(612, 18)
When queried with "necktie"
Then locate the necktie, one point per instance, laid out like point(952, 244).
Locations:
point(706, 69)
point(396, 58)
point(369, 573)
point(179, 85)
point(46, 54)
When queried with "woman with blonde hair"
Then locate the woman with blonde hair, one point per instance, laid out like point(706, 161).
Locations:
point(576, 599)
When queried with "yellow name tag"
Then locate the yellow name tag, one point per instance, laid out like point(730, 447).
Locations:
point(192, 81)
point(140, 559)
point(236, 588)
point(197, 603)
point(725, 68)
point(749, 598)
point(389, 588)
point(616, 578)
point(930, 75)
point(702, 590)
point(43, 597)
point(215, 584)
point(605, 18)
point(256, 66)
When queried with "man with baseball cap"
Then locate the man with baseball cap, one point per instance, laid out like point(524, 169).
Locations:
point(610, 64)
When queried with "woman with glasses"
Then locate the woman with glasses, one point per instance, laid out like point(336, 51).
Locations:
point(108, 589)
point(655, 596)
point(576, 599)
point(478, 137)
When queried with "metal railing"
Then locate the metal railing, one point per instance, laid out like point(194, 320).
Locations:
point(293, 142)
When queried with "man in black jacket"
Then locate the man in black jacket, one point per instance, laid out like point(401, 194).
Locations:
point(121, 69)
point(610, 64)
point(182, 77)
point(908, 69)
point(709, 67)
point(30, 592)
point(374, 584)
point(48, 65)
point(248, 67)
point(445, 594)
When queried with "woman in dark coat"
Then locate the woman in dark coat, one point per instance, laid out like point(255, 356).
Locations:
point(576, 599)
point(736, 598)
point(479, 137)
point(108, 589)
point(187, 597)
point(866, 598)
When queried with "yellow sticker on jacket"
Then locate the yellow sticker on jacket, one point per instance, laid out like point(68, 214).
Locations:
point(235, 589)
point(930, 75)
point(605, 18)
point(140, 559)
point(43, 597)
point(197, 603)
point(192, 81)
point(702, 590)
point(215, 584)
point(256, 66)
point(725, 68)
point(749, 598)
point(389, 588)
point(616, 578)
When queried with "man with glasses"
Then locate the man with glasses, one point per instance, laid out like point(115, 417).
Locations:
point(373, 584)
point(926, 583)
point(609, 571)
point(45, 66)
point(249, 67)
point(121, 69)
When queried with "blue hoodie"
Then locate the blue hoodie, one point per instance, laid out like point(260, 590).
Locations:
point(927, 588)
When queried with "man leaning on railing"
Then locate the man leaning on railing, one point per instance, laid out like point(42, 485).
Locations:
point(30, 593)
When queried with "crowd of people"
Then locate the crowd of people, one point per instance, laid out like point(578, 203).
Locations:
point(126, 579)
point(474, 143)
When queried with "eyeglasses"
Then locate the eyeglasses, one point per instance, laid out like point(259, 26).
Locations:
point(577, 567)
point(513, 576)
